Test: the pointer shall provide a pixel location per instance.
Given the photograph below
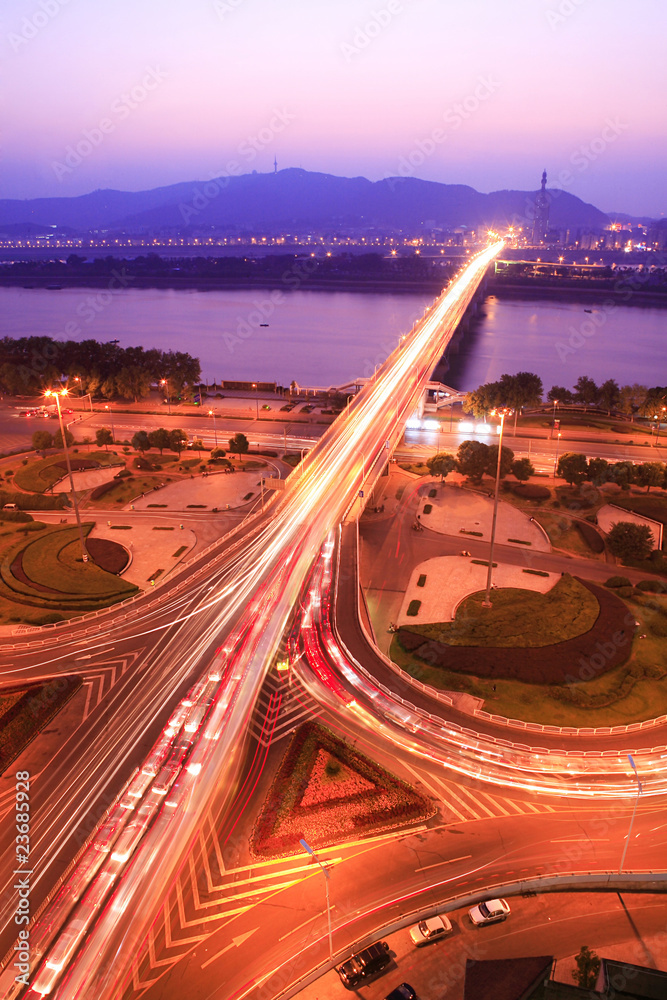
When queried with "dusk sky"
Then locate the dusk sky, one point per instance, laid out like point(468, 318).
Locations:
point(350, 87)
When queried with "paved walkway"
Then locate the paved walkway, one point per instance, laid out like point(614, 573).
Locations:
point(451, 578)
point(454, 508)
point(154, 548)
point(221, 490)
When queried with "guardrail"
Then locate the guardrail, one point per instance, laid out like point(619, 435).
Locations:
point(596, 881)
point(499, 720)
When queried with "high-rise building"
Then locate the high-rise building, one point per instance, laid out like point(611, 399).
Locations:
point(541, 224)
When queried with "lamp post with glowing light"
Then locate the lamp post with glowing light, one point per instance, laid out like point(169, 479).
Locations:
point(308, 849)
point(553, 423)
point(113, 432)
point(63, 434)
point(164, 382)
point(254, 385)
point(486, 603)
point(556, 458)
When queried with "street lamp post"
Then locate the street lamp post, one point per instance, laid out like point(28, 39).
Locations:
point(211, 413)
point(254, 385)
point(166, 383)
point(486, 603)
point(310, 851)
point(63, 433)
point(553, 423)
point(634, 812)
point(113, 432)
point(556, 458)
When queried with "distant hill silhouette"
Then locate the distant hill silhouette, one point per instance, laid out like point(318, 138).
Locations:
point(296, 199)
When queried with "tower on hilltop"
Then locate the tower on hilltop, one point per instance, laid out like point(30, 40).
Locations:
point(541, 225)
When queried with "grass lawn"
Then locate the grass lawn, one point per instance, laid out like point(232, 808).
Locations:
point(51, 559)
point(564, 535)
point(519, 617)
point(125, 491)
point(633, 692)
point(653, 505)
point(40, 474)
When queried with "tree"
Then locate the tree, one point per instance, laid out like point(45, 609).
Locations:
point(177, 439)
point(140, 441)
point(198, 444)
point(654, 401)
point(650, 474)
point(133, 383)
point(586, 391)
point(588, 968)
point(522, 389)
point(58, 439)
point(159, 438)
point(441, 465)
point(610, 395)
point(239, 444)
point(217, 453)
point(573, 468)
point(481, 401)
point(506, 460)
point(622, 473)
point(632, 397)
point(103, 436)
point(628, 540)
point(472, 459)
point(559, 394)
point(598, 471)
point(522, 469)
point(41, 440)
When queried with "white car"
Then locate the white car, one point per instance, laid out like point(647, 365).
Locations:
point(430, 930)
point(490, 912)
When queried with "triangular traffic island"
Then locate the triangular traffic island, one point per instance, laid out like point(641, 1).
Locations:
point(326, 793)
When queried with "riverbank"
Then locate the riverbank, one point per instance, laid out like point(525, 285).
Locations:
point(593, 291)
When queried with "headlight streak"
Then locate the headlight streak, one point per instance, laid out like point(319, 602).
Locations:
point(276, 561)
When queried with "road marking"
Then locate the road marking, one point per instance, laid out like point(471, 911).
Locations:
point(235, 943)
point(449, 861)
point(581, 840)
point(308, 921)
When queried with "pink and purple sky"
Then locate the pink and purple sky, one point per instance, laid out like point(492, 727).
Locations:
point(479, 92)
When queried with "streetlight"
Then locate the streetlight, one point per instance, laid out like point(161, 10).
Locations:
point(113, 432)
point(553, 424)
point(164, 381)
point(211, 413)
point(486, 603)
point(57, 395)
point(310, 851)
point(556, 458)
point(254, 385)
point(634, 811)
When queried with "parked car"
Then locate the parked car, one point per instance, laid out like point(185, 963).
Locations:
point(430, 930)
point(490, 912)
point(364, 964)
point(402, 992)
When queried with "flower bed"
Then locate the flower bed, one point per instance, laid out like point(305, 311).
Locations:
point(325, 792)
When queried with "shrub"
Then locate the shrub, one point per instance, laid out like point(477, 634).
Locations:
point(123, 474)
point(432, 493)
point(103, 488)
point(519, 541)
point(617, 581)
point(625, 591)
point(531, 491)
point(536, 572)
point(422, 580)
point(654, 586)
point(413, 608)
point(590, 536)
point(428, 507)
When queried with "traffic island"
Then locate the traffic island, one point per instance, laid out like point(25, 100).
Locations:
point(25, 711)
point(327, 793)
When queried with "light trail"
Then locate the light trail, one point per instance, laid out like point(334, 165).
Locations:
point(268, 578)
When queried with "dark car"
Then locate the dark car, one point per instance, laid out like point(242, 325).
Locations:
point(402, 992)
point(364, 964)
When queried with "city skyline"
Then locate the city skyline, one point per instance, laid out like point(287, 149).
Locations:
point(483, 95)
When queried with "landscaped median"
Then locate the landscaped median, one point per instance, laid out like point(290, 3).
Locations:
point(326, 793)
point(41, 567)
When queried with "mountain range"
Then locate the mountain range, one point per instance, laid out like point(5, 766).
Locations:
point(294, 200)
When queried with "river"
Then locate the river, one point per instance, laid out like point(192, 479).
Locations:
point(329, 338)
